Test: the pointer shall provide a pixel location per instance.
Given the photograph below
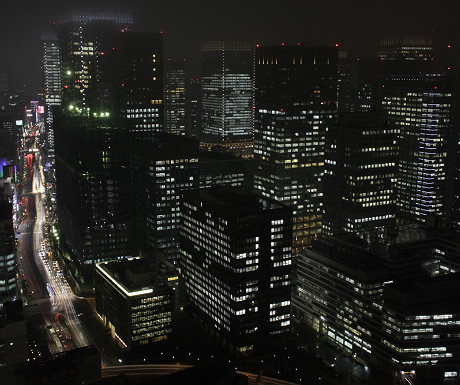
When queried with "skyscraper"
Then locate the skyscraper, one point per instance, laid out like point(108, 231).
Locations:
point(107, 66)
point(193, 108)
point(236, 262)
point(174, 97)
point(3, 89)
point(92, 207)
point(52, 69)
point(113, 93)
point(227, 88)
point(134, 80)
point(360, 172)
point(52, 81)
point(92, 200)
point(418, 98)
point(162, 167)
point(296, 97)
point(82, 38)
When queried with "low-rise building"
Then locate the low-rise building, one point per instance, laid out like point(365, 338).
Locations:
point(394, 303)
point(134, 302)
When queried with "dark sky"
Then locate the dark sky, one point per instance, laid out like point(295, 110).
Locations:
point(356, 24)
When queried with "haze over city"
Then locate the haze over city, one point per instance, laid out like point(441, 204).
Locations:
point(356, 24)
point(230, 192)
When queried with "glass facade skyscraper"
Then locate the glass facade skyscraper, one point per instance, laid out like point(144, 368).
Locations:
point(227, 87)
point(418, 99)
point(52, 79)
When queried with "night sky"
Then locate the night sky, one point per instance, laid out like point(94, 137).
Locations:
point(356, 24)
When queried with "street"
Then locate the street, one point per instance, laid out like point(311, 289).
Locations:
point(47, 296)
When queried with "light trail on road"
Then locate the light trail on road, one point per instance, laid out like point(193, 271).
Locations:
point(52, 274)
point(42, 274)
point(165, 369)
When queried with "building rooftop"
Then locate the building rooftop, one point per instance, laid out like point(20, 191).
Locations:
point(132, 276)
point(408, 252)
point(349, 258)
point(213, 156)
point(383, 244)
point(77, 366)
point(238, 201)
point(426, 295)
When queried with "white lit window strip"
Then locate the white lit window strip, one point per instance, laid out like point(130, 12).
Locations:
point(121, 287)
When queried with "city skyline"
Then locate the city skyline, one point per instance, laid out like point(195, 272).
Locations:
point(356, 25)
point(289, 213)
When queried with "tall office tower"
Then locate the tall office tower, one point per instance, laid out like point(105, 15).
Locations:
point(360, 172)
point(365, 92)
point(52, 69)
point(162, 167)
point(91, 184)
point(3, 89)
point(82, 37)
point(8, 290)
point(236, 262)
point(344, 85)
point(193, 108)
point(174, 97)
point(418, 98)
point(51, 64)
point(296, 97)
point(113, 91)
point(227, 88)
point(134, 80)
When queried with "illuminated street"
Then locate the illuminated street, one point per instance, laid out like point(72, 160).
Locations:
point(47, 288)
